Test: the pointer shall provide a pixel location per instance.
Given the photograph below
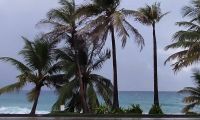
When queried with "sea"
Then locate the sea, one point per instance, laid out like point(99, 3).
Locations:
point(16, 103)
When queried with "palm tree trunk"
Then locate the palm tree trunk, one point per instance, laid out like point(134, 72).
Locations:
point(156, 98)
point(83, 99)
point(115, 84)
point(82, 93)
point(36, 101)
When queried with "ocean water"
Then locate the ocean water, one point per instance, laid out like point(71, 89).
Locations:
point(16, 103)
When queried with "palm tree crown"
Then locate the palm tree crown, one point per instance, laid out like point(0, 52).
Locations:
point(149, 15)
point(94, 85)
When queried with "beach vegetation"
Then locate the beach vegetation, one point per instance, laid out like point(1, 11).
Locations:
point(156, 110)
point(134, 109)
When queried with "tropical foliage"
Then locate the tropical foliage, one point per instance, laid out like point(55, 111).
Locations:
point(37, 69)
point(134, 109)
point(105, 18)
point(71, 68)
point(95, 85)
point(188, 53)
point(64, 21)
point(187, 40)
point(193, 94)
point(156, 110)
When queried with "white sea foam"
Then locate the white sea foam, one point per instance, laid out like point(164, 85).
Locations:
point(19, 110)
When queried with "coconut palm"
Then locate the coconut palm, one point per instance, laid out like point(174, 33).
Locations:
point(95, 85)
point(37, 68)
point(64, 23)
point(150, 15)
point(187, 40)
point(193, 93)
point(105, 18)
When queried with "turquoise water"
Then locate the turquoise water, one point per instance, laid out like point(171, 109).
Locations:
point(16, 103)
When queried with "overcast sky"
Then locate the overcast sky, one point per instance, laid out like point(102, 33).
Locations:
point(135, 69)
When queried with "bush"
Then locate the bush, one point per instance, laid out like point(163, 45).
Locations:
point(102, 109)
point(134, 109)
point(191, 113)
point(120, 110)
point(156, 110)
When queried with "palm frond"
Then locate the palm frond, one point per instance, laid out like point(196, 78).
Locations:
point(188, 107)
point(138, 37)
point(19, 65)
point(117, 19)
point(104, 87)
point(99, 62)
point(65, 93)
point(178, 55)
point(32, 94)
point(93, 101)
point(186, 36)
point(13, 87)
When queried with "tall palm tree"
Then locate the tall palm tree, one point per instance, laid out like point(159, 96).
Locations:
point(105, 18)
point(187, 40)
point(37, 69)
point(65, 23)
point(150, 15)
point(95, 86)
point(193, 93)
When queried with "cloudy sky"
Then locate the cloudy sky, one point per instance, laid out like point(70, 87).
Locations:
point(135, 68)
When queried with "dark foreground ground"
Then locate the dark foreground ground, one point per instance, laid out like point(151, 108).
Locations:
point(98, 117)
point(90, 118)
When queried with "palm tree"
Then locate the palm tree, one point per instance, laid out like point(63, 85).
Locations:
point(105, 18)
point(193, 93)
point(94, 85)
point(37, 69)
point(187, 40)
point(64, 22)
point(150, 15)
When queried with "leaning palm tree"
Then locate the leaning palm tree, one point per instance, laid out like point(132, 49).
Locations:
point(188, 41)
point(94, 85)
point(36, 70)
point(105, 18)
point(150, 15)
point(64, 22)
point(193, 93)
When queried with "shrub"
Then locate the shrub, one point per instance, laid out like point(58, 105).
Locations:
point(156, 110)
point(134, 109)
point(191, 113)
point(120, 110)
point(102, 109)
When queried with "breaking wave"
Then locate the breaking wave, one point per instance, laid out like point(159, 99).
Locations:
point(19, 110)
